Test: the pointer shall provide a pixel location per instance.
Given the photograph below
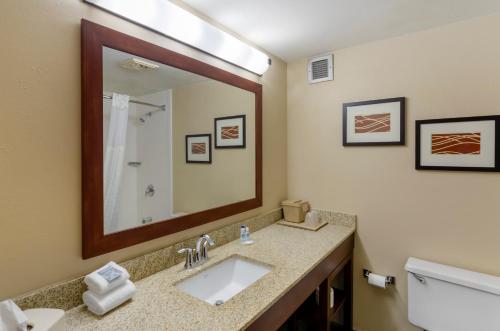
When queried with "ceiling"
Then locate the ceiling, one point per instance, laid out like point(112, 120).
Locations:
point(293, 29)
point(137, 83)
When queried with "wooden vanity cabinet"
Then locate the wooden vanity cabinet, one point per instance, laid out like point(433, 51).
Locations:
point(307, 306)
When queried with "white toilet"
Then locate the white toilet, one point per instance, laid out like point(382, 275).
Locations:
point(444, 298)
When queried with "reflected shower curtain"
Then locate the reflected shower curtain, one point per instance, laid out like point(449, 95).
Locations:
point(114, 159)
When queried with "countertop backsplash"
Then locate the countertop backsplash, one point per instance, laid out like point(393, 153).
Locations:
point(68, 294)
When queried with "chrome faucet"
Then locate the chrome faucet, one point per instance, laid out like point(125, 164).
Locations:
point(198, 255)
point(201, 247)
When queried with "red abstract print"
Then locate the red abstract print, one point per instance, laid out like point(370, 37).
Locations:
point(198, 148)
point(230, 132)
point(456, 143)
point(372, 123)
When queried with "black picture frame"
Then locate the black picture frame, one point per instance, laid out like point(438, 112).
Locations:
point(244, 132)
point(209, 146)
point(418, 128)
point(402, 118)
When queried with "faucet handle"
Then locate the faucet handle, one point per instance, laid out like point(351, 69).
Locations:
point(189, 257)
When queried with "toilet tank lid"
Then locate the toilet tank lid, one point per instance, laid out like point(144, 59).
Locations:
point(472, 279)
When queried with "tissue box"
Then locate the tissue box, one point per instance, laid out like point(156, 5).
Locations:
point(295, 210)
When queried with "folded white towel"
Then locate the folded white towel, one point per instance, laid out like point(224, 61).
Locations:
point(101, 304)
point(106, 278)
point(12, 317)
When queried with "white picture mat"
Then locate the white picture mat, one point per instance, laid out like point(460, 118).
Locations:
point(229, 122)
point(198, 157)
point(486, 158)
point(393, 108)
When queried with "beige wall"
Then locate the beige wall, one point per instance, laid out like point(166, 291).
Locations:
point(40, 163)
point(231, 175)
point(449, 71)
point(448, 217)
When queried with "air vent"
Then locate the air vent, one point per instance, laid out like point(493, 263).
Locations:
point(320, 68)
point(138, 65)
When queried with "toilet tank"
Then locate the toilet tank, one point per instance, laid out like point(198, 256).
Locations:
point(445, 298)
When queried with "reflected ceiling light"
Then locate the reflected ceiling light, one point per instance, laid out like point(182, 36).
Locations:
point(175, 22)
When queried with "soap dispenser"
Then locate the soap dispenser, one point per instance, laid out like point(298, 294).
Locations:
point(245, 235)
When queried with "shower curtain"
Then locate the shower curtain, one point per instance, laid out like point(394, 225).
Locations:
point(114, 160)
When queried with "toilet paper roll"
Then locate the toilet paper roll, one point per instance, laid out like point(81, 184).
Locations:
point(377, 280)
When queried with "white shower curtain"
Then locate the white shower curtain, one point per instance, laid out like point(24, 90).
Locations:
point(114, 159)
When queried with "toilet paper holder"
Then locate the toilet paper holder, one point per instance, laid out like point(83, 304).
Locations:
point(389, 280)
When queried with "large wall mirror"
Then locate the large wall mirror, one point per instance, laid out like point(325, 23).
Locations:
point(169, 142)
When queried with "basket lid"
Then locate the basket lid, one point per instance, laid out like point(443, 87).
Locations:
point(293, 203)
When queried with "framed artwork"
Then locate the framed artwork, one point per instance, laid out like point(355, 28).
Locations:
point(199, 148)
point(230, 131)
point(464, 144)
point(374, 122)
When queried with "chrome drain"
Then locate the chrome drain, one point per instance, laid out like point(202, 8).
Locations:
point(219, 302)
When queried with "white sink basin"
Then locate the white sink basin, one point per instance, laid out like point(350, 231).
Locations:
point(222, 281)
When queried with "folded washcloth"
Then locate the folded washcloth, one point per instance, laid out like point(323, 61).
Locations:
point(106, 278)
point(101, 304)
point(12, 317)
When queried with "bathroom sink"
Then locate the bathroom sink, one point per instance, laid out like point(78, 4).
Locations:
point(222, 281)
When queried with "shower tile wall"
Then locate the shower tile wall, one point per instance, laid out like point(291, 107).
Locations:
point(155, 152)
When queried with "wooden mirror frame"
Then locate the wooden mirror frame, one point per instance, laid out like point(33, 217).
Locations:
point(94, 242)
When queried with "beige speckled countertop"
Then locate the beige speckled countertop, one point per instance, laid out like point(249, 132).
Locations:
point(159, 305)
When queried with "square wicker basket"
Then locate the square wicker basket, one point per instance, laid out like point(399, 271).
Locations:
point(295, 210)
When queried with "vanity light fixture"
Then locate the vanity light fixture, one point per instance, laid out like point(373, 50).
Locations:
point(168, 19)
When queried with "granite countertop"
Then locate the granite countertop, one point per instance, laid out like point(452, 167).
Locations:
point(159, 305)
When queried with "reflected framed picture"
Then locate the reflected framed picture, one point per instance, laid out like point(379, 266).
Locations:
point(374, 122)
point(199, 148)
point(463, 144)
point(230, 131)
